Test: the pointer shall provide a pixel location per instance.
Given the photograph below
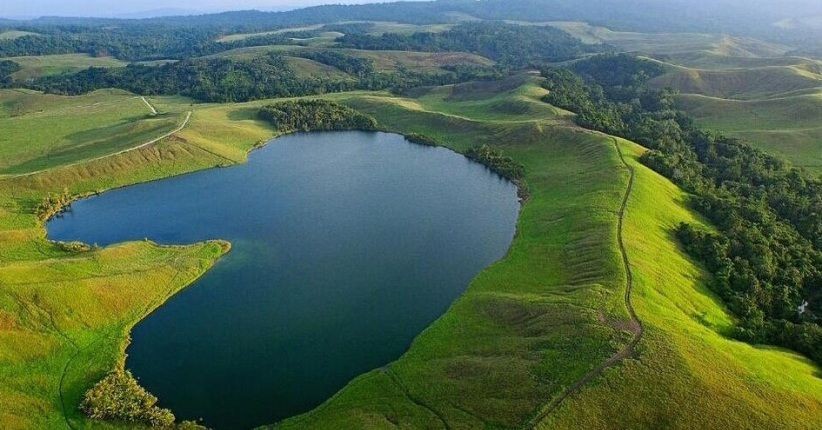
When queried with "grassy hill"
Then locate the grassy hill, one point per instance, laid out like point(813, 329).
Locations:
point(14, 34)
point(61, 130)
point(242, 36)
point(687, 374)
point(384, 61)
point(528, 328)
point(48, 65)
point(744, 84)
point(671, 43)
point(66, 311)
point(773, 103)
point(376, 28)
point(788, 126)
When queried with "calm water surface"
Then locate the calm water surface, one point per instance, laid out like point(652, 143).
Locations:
point(345, 246)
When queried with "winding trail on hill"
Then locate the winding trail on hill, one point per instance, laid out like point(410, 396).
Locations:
point(396, 379)
point(636, 327)
point(150, 107)
point(142, 145)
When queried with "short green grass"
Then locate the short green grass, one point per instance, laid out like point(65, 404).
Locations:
point(419, 61)
point(378, 27)
point(41, 131)
point(773, 103)
point(65, 315)
point(242, 36)
point(790, 127)
point(48, 65)
point(313, 70)
point(528, 326)
point(687, 374)
point(742, 84)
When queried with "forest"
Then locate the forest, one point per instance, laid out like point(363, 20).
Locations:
point(765, 256)
point(509, 44)
point(138, 43)
point(238, 80)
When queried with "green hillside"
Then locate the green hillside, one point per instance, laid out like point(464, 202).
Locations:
point(774, 102)
point(49, 65)
point(687, 374)
point(529, 327)
point(672, 43)
point(788, 126)
point(743, 87)
point(596, 318)
point(14, 34)
point(745, 84)
point(61, 130)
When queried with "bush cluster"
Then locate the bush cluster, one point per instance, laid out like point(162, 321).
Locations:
point(118, 397)
point(502, 165)
point(315, 115)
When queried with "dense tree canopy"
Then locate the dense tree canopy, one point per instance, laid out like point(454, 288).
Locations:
point(315, 115)
point(6, 69)
point(502, 165)
point(236, 80)
point(510, 44)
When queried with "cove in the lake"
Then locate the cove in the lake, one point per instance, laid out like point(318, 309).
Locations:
point(345, 246)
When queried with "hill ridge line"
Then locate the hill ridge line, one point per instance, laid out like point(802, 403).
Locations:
point(636, 324)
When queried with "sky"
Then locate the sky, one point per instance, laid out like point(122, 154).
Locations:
point(138, 8)
point(119, 8)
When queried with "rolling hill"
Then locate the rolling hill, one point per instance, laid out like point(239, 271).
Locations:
point(596, 318)
point(594, 241)
point(775, 103)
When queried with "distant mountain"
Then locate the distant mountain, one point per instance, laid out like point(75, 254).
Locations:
point(158, 13)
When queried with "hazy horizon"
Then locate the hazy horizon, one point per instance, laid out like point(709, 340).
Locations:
point(146, 8)
point(150, 8)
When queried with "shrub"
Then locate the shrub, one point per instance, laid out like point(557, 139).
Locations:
point(502, 165)
point(52, 205)
point(420, 139)
point(118, 397)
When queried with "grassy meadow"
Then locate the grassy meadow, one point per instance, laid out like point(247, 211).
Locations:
point(773, 103)
point(47, 65)
point(59, 130)
point(742, 87)
point(378, 27)
point(786, 126)
point(527, 328)
point(687, 374)
point(671, 43)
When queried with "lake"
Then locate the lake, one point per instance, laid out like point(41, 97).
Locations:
point(345, 246)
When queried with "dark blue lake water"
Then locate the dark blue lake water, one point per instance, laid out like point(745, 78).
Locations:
point(346, 245)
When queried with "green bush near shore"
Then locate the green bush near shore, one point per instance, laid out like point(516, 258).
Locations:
point(315, 115)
